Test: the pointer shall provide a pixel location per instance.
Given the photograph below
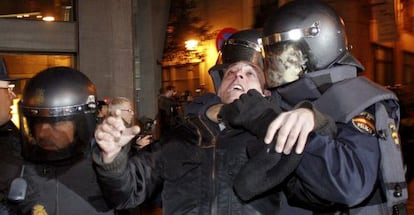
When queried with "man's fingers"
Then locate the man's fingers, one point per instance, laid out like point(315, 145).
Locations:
point(134, 130)
point(292, 129)
point(300, 146)
point(272, 129)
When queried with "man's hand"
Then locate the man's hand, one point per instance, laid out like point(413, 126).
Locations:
point(292, 128)
point(141, 142)
point(112, 135)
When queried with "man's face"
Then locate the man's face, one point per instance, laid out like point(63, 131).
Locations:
point(238, 79)
point(54, 136)
point(127, 113)
point(6, 101)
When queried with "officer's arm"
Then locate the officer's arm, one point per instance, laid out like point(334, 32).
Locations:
point(342, 169)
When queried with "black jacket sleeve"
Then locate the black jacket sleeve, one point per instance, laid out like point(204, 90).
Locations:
point(125, 182)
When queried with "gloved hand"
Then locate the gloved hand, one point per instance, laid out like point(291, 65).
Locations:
point(252, 111)
point(263, 172)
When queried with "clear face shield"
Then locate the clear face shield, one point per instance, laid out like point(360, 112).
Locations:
point(53, 137)
point(286, 55)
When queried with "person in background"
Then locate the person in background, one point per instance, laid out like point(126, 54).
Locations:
point(9, 138)
point(53, 173)
point(168, 116)
point(103, 111)
point(125, 106)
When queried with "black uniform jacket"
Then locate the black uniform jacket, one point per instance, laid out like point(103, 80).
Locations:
point(68, 187)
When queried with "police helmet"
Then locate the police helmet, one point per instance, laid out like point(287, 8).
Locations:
point(304, 36)
point(241, 46)
point(57, 94)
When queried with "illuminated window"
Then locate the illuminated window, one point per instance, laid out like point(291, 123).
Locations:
point(45, 10)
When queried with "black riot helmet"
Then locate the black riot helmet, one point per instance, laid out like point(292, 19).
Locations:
point(57, 98)
point(241, 46)
point(304, 36)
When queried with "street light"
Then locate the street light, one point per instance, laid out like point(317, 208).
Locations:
point(191, 45)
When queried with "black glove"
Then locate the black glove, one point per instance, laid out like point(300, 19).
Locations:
point(252, 111)
point(264, 172)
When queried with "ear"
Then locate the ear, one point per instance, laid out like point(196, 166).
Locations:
point(267, 92)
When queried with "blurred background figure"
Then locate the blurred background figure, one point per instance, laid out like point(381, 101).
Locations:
point(103, 111)
point(124, 105)
point(168, 116)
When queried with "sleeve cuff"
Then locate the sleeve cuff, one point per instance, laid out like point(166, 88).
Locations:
point(324, 124)
point(117, 166)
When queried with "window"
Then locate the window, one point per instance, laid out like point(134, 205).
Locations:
point(44, 10)
point(408, 68)
point(408, 16)
point(383, 65)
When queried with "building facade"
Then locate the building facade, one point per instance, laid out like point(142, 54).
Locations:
point(119, 43)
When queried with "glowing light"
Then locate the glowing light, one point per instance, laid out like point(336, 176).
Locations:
point(14, 112)
point(191, 44)
point(295, 34)
point(48, 18)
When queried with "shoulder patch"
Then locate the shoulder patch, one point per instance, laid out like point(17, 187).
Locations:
point(365, 122)
point(39, 210)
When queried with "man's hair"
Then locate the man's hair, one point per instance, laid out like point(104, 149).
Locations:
point(117, 102)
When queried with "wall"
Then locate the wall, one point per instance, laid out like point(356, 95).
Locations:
point(150, 21)
point(106, 45)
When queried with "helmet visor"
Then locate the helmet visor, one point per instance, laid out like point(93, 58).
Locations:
point(235, 50)
point(54, 138)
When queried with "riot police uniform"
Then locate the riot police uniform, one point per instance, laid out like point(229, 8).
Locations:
point(59, 181)
point(308, 58)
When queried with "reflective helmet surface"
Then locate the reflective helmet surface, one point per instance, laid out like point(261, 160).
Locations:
point(312, 32)
point(53, 95)
point(241, 46)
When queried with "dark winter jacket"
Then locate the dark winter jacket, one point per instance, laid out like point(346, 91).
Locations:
point(194, 171)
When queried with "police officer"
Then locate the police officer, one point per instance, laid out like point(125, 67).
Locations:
point(9, 134)
point(307, 58)
point(53, 174)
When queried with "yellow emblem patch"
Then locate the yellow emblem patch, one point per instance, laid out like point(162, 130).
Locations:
point(365, 122)
point(39, 210)
point(394, 134)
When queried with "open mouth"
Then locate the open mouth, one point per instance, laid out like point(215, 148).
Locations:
point(237, 87)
